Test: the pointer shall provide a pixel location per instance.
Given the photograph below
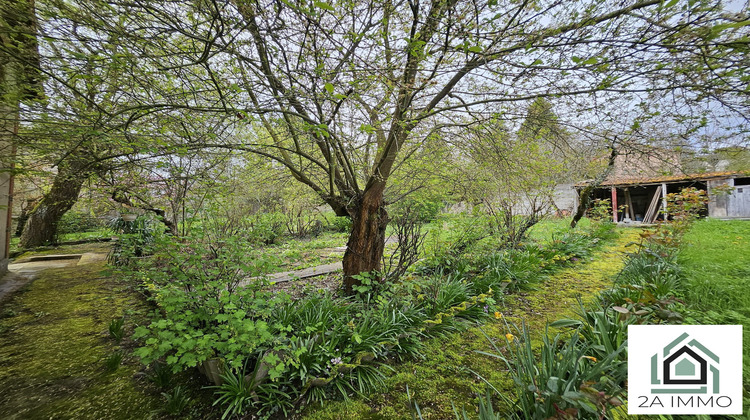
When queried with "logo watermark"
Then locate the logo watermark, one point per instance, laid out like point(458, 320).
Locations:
point(685, 369)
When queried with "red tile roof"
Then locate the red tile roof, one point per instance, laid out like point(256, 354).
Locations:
point(668, 178)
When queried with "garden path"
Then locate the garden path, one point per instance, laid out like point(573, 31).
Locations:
point(25, 271)
point(54, 343)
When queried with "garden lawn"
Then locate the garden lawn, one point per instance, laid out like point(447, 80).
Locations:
point(54, 340)
point(550, 228)
point(715, 263)
point(450, 372)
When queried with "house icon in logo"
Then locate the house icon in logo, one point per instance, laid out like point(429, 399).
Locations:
point(685, 363)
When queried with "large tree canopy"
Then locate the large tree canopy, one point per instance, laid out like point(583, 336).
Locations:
point(346, 90)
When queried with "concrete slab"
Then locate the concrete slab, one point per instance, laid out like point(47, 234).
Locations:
point(299, 274)
point(10, 282)
point(53, 257)
point(35, 266)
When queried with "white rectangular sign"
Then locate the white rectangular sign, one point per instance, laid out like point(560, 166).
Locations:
point(685, 369)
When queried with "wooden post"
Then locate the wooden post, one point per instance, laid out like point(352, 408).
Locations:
point(614, 204)
point(664, 200)
point(629, 202)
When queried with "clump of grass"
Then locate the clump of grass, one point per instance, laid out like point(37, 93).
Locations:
point(116, 330)
point(175, 401)
point(113, 361)
point(160, 375)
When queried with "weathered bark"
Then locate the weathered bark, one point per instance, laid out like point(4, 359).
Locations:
point(584, 198)
point(24, 216)
point(585, 194)
point(338, 206)
point(364, 251)
point(41, 227)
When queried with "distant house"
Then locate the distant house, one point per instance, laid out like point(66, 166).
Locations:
point(638, 186)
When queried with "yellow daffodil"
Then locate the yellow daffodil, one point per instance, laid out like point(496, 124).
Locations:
point(510, 337)
point(498, 315)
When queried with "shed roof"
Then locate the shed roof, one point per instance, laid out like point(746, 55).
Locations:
point(622, 182)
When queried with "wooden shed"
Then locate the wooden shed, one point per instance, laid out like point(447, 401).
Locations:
point(643, 200)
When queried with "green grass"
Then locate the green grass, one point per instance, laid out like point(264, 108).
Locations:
point(547, 228)
point(69, 237)
point(715, 260)
point(92, 234)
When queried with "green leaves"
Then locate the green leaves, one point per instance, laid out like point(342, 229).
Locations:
point(367, 128)
point(323, 5)
point(587, 62)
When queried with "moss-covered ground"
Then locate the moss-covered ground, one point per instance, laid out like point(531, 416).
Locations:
point(54, 340)
point(452, 372)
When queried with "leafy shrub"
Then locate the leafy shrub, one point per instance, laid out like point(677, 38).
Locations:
point(424, 209)
point(201, 326)
point(265, 228)
point(137, 239)
point(686, 206)
point(204, 312)
point(600, 210)
point(74, 222)
point(341, 224)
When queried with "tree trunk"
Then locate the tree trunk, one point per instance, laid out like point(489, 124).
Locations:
point(585, 194)
point(364, 251)
point(584, 199)
point(24, 216)
point(41, 227)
